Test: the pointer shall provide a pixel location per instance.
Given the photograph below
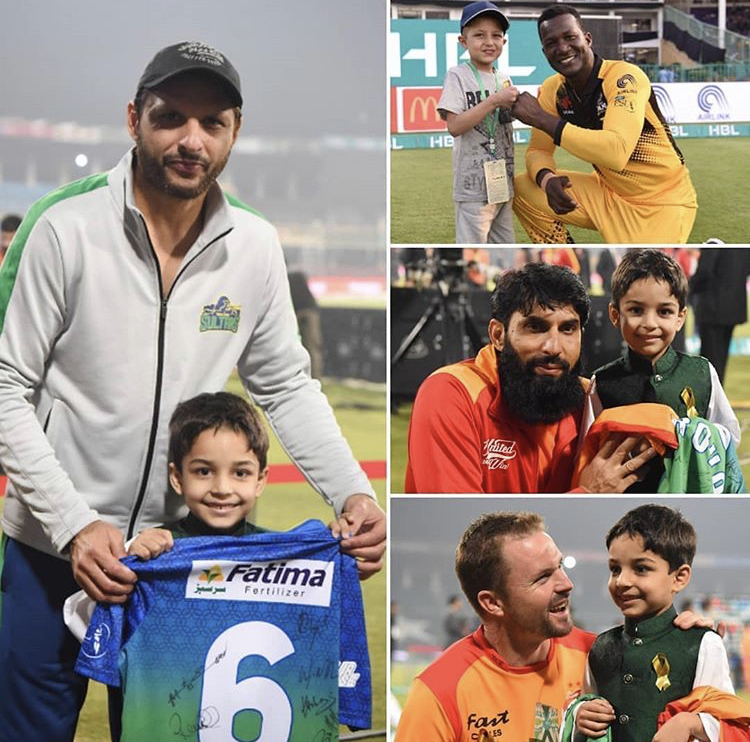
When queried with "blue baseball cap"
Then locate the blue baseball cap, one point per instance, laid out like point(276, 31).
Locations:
point(472, 10)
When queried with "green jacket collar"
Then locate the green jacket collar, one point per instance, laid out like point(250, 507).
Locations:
point(664, 366)
point(651, 627)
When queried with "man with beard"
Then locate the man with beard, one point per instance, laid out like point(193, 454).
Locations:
point(605, 113)
point(508, 420)
point(123, 294)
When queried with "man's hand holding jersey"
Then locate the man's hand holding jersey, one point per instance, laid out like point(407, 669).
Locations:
point(95, 552)
point(362, 524)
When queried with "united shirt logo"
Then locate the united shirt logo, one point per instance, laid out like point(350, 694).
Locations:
point(497, 452)
point(220, 316)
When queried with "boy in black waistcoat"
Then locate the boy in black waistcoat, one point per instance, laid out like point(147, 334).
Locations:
point(649, 306)
point(640, 667)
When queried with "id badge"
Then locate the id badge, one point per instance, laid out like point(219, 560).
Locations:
point(496, 177)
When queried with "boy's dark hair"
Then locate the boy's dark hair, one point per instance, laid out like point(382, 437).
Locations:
point(480, 564)
point(649, 263)
point(549, 286)
point(10, 223)
point(663, 530)
point(212, 412)
point(553, 11)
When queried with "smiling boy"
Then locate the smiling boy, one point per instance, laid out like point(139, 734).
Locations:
point(475, 103)
point(648, 307)
point(640, 667)
point(218, 447)
point(217, 462)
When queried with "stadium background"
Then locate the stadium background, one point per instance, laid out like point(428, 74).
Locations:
point(311, 157)
point(425, 532)
point(700, 76)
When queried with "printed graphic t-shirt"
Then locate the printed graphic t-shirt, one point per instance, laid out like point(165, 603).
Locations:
point(257, 637)
point(472, 149)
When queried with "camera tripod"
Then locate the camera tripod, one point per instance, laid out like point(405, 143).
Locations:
point(460, 337)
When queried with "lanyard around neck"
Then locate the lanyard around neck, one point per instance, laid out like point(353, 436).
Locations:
point(491, 119)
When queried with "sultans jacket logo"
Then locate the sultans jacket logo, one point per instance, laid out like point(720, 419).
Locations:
point(496, 453)
point(220, 316)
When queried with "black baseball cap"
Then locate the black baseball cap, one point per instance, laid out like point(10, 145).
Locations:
point(188, 56)
point(472, 10)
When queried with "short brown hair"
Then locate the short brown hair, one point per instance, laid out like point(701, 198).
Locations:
point(649, 263)
point(213, 411)
point(480, 564)
point(663, 530)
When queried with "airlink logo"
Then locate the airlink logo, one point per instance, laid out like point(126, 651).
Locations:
point(713, 103)
point(298, 581)
point(664, 101)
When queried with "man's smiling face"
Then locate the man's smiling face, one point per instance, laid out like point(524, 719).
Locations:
point(567, 47)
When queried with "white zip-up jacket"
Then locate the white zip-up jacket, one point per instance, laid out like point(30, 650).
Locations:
point(94, 359)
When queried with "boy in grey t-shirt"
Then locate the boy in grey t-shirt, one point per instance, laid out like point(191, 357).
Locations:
point(475, 103)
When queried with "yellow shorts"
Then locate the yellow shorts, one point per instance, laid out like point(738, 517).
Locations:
point(601, 209)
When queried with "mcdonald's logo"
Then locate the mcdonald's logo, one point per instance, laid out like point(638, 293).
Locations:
point(419, 110)
point(427, 109)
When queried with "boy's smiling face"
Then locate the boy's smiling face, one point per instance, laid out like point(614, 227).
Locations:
point(484, 39)
point(640, 581)
point(220, 478)
point(648, 316)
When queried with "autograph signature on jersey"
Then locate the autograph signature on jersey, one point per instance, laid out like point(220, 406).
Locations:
point(189, 683)
point(209, 718)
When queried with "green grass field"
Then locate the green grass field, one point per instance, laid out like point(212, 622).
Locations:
point(361, 415)
point(422, 205)
point(736, 385)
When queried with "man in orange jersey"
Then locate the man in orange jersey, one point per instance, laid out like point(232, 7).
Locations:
point(513, 676)
point(605, 113)
point(508, 420)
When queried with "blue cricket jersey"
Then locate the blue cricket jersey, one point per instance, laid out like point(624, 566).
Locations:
point(224, 638)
